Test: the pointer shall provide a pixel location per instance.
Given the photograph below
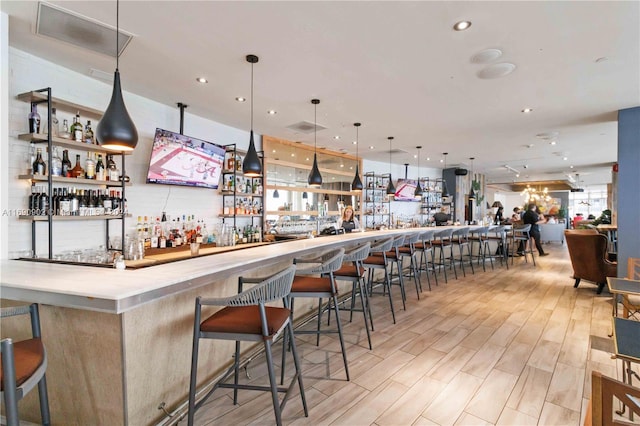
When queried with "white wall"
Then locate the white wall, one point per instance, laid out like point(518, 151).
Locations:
point(27, 72)
point(4, 134)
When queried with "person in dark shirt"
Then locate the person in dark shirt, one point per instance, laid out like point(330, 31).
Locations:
point(441, 218)
point(499, 216)
point(531, 217)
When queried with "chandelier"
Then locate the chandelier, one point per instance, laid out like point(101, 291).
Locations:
point(533, 195)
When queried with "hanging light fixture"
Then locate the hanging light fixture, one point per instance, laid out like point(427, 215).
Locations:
point(445, 191)
point(276, 194)
point(252, 167)
point(391, 190)
point(304, 195)
point(418, 192)
point(472, 193)
point(116, 131)
point(315, 178)
point(357, 185)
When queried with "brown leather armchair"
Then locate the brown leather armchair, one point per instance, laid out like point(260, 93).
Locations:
point(588, 252)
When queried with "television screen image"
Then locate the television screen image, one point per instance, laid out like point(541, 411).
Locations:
point(182, 160)
point(405, 189)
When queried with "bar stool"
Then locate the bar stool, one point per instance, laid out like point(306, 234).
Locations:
point(323, 286)
point(409, 250)
point(499, 235)
point(460, 238)
point(355, 274)
point(377, 259)
point(442, 239)
point(23, 366)
point(522, 237)
point(244, 317)
point(480, 236)
point(426, 250)
point(393, 257)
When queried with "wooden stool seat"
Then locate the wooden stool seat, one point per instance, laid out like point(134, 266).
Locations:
point(245, 320)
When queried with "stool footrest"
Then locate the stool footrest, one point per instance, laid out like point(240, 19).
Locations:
point(253, 387)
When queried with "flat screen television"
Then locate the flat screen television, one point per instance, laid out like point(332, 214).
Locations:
point(405, 189)
point(182, 160)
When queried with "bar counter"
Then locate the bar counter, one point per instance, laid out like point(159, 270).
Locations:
point(119, 341)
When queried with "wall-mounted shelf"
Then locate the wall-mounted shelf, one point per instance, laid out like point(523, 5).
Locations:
point(66, 143)
point(71, 218)
point(72, 181)
point(40, 97)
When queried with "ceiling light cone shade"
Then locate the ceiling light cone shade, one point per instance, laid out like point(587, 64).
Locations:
point(357, 185)
point(472, 194)
point(276, 194)
point(445, 192)
point(315, 178)
point(305, 195)
point(391, 190)
point(252, 167)
point(116, 130)
point(418, 191)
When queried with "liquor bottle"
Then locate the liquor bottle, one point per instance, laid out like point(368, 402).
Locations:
point(76, 129)
point(66, 164)
point(64, 205)
point(74, 203)
point(155, 234)
point(231, 162)
point(32, 197)
point(43, 203)
point(115, 204)
point(91, 203)
point(107, 202)
point(90, 166)
point(65, 134)
point(55, 125)
point(77, 171)
point(53, 203)
point(112, 170)
point(99, 200)
point(34, 119)
point(56, 163)
point(39, 166)
point(238, 163)
point(88, 133)
point(100, 170)
point(82, 204)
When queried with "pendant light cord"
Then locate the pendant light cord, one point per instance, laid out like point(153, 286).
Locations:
point(315, 129)
point(252, 96)
point(117, 34)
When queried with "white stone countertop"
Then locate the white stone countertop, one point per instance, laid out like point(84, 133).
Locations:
point(117, 291)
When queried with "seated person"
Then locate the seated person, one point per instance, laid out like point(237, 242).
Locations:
point(517, 215)
point(348, 222)
point(441, 218)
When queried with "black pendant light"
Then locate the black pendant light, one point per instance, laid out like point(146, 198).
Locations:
point(315, 178)
point(357, 185)
point(445, 192)
point(252, 167)
point(472, 193)
point(418, 191)
point(305, 195)
point(116, 131)
point(276, 194)
point(391, 190)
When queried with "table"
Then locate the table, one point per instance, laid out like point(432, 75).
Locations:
point(626, 338)
point(624, 287)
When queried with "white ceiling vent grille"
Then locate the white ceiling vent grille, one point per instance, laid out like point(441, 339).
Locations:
point(305, 127)
point(78, 30)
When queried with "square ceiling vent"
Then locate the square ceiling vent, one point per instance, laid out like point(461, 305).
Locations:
point(305, 127)
point(81, 31)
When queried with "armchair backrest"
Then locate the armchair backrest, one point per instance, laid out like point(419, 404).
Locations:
point(588, 252)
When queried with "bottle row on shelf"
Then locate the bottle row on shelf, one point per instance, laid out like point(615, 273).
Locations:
point(242, 185)
point(243, 206)
point(75, 202)
point(76, 132)
point(94, 169)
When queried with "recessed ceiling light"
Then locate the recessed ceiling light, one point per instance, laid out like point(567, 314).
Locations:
point(307, 159)
point(336, 137)
point(351, 168)
point(462, 25)
point(571, 167)
point(496, 71)
point(241, 99)
point(272, 112)
point(527, 110)
point(415, 155)
point(355, 142)
point(202, 80)
point(517, 174)
point(273, 150)
point(565, 158)
point(293, 155)
point(341, 165)
point(371, 147)
point(553, 142)
point(441, 160)
point(428, 158)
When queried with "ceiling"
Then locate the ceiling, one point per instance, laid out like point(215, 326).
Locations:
point(397, 67)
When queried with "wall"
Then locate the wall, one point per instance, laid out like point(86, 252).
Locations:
point(27, 72)
point(4, 133)
point(628, 195)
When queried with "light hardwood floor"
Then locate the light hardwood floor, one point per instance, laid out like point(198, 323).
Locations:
point(504, 347)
